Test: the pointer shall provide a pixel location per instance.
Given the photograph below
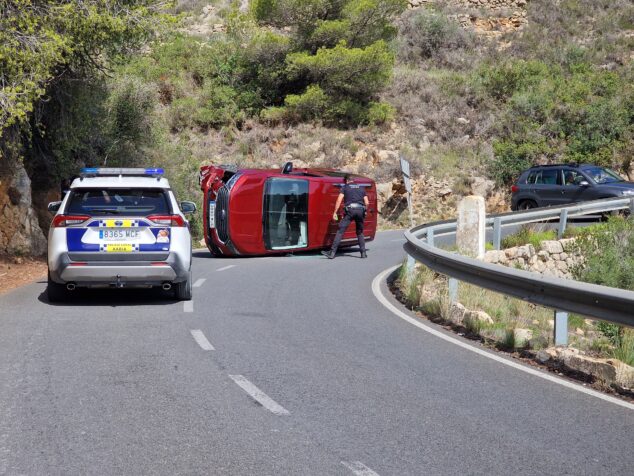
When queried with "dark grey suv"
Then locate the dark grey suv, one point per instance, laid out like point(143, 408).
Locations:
point(555, 185)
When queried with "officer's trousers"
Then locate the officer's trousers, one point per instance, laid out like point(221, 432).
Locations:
point(355, 214)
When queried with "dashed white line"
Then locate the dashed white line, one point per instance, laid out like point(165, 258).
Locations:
point(188, 306)
point(227, 267)
point(201, 340)
point(259, 396)
point(358, 468)
point(376, 290)
point(199, 282)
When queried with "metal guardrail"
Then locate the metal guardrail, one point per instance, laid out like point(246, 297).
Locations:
point(602, 302)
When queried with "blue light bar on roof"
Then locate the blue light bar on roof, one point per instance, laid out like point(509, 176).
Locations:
point(115, 171)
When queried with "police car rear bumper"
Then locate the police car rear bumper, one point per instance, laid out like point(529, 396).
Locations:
point(120, 271)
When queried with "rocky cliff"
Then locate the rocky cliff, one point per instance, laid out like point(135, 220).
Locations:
point(20, 232)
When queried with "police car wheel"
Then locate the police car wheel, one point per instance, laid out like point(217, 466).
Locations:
point(56, 292)
point(183, 290)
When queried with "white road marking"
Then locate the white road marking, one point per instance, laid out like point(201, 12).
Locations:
point(227, 267)
point(199, 282)
point(201, 340)
point(358, 468)
point(259, 396)
point(188, 306)
point(376, 290)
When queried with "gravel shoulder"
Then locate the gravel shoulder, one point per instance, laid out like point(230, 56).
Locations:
point(19, 271)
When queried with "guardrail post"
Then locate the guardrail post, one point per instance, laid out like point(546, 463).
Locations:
point(453, 290)
point(561, 328)
point(563, 222)
point(430, 237)
point(411, 265)
point(497, 233)
point(631, 207)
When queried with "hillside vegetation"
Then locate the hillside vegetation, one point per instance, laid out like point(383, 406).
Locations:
point(339, 83)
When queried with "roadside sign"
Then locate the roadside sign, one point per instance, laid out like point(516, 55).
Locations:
point(405, 167)
point(408, 183)
point(408, 187)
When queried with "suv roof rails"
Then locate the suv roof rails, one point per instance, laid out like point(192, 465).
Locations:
point(570, 164)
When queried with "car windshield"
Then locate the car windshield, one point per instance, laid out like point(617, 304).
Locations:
point(108, 201)
point(602, 175)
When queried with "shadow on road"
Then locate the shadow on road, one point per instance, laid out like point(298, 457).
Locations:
point(114, 298)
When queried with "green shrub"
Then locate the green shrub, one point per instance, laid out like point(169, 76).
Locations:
point(182, 112)
point(354, 73)
point(625, 349)
point(425, 34)
point(526, 235)
point(312, 104)
point(512, 158)
point(380, 113)
point(609, 253)
point(130, 108)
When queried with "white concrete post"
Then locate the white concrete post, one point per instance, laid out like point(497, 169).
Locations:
point(470, 232)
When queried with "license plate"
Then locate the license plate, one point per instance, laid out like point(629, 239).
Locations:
point(120, 234)
point(119, 248)
point(212, 214)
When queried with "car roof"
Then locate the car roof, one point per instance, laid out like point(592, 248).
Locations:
point(120, 182)
point(574, 166)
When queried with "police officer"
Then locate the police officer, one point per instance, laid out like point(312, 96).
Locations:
point(355, 204)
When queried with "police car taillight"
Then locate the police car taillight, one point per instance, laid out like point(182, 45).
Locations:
point(61, 221)
point(167, 220)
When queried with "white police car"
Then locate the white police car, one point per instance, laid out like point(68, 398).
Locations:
point(119, 228)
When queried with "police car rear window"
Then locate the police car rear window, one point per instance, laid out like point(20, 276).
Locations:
point(129, 202)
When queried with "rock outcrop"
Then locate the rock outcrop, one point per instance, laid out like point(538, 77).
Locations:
point(20, 232)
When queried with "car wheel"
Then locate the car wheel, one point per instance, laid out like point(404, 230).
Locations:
point(56, 292)
point(183, 289)
point(527, 205)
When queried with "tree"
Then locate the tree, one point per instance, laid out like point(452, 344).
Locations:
point(338, 59)
point(42, 40)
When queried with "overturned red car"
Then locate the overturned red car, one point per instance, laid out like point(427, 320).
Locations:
point(264, 211)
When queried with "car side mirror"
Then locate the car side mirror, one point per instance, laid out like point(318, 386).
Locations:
point(584, 183)
point(53, 207)
point(188, 207)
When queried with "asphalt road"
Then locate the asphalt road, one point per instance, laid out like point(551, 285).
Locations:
point(279, 366)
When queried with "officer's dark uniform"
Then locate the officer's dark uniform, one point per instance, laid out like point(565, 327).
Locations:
point(354, 206)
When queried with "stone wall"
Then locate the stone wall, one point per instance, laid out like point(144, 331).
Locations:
point(20, 232)
point(553, 258)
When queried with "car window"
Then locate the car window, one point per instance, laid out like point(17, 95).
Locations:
point(108, 201)
point(602, 175)
point(548, 177)
point(572, 177)
point(532, 177)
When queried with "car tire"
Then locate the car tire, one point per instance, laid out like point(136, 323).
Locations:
point(56, 292)
point(526, 205)
point(183, 290)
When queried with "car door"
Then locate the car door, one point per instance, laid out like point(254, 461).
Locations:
point(548, 186)
point(574, 191)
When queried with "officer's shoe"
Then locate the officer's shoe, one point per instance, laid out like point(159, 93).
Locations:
point(364, 254)
point(328, 254)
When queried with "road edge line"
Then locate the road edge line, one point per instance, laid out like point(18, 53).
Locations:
point(378, 294)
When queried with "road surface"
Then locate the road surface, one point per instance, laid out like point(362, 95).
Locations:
point(279, 366)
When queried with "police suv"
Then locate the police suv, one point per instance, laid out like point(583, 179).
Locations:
point(119, 227)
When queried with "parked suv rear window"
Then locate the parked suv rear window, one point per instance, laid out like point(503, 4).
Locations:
point(544, 177)
point(108, 201)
